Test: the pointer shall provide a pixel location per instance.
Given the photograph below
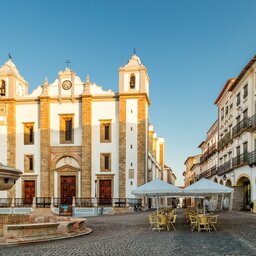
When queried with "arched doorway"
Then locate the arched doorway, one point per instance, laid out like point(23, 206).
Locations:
point(67, 179)
point(243, 192)
point(221, 182)
point(215, 180)
point(227, 197)
point(228, 183)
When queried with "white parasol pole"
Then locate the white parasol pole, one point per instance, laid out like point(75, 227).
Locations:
point(204, 205)
point(157, 204)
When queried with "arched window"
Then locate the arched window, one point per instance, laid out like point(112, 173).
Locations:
point(132, 81)
point(2, 88)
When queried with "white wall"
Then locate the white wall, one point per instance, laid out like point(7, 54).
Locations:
point(27, 113)
point(105, 110)
point(131, 139)
point(3, 143)
point(3, 152)
point(65, 108)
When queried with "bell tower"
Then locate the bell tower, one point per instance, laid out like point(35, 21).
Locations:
point(133, 125)
point(12, 86)
point(133, 77)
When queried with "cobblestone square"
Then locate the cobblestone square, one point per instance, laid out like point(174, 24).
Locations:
point(129, 234)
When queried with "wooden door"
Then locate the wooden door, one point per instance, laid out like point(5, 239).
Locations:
point(29, 191)
point(105, 191)
point(68, 189)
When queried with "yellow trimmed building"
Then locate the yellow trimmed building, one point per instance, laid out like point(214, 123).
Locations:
point(74, 139)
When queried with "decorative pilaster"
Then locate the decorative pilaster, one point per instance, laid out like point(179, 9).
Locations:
point(11, 140)
point(122, 147)
point(142, 138)
point(45, 187)
point(86, 174)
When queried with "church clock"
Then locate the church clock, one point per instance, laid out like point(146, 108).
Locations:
point(66, 85)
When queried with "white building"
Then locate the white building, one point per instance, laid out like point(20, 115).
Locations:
point(73, 138)
point(236, 157)
point(209, 155)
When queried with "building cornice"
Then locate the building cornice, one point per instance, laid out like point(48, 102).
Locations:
point(243, 72)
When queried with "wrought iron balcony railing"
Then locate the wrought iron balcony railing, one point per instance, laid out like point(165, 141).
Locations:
point(208, 153)
point(240, 160)
point(224, 168)
point(252, 123)
point(241, 127)
point(208, 173)
point(213, 149)
point(225, 140)
point(252, 158)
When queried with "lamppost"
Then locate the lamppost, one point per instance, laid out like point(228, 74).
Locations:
point(95, 188)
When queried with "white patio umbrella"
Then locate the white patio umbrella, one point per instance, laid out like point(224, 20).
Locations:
point(205, 187)
point(157, 188)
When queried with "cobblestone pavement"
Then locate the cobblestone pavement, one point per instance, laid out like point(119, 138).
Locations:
point(129, 234)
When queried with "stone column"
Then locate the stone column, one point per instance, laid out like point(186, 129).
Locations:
point(86, 172)
point(122, 147)
point(45, 152)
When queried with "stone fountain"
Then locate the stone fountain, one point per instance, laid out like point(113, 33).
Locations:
point(26, 228)
point(8, 176)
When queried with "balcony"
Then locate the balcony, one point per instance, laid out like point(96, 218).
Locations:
point(240, 160)
point(208, 153)
point(208, 173)
point(202, 158)
point(225, 140)
point(251, 158)
point(241, 127)
point(224, 168)
point(252, 123)
point(212, 149)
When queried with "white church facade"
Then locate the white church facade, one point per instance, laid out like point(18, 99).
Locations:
point(74, 139)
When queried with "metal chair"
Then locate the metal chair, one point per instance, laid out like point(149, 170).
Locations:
point(152, 221)
point(193, 221)
point(171, 222)
point(203, 223)
point(213, 221)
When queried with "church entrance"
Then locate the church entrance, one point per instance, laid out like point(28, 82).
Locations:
point(105, 192)
point(68, 189)
point(29, 191)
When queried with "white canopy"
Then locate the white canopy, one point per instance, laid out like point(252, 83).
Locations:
point(205, 187)
point(157, 188)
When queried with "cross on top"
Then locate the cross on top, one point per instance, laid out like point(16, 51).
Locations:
point(67, 62)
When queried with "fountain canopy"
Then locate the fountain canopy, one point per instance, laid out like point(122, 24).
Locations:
point(8, 176)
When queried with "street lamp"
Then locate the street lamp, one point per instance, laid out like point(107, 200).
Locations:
point(95, 188)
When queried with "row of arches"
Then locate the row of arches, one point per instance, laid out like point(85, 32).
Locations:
point(242, 191)
point(240, 181)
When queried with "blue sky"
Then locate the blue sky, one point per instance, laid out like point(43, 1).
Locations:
point(189, 47)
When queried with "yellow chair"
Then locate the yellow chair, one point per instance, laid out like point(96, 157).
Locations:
point(213, 221)
point(203, 223)
point(161, 222)
point(171, 222)
point(193, 221)
point(152, 221)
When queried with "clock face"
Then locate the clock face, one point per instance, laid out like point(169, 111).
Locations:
point(66, 85)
